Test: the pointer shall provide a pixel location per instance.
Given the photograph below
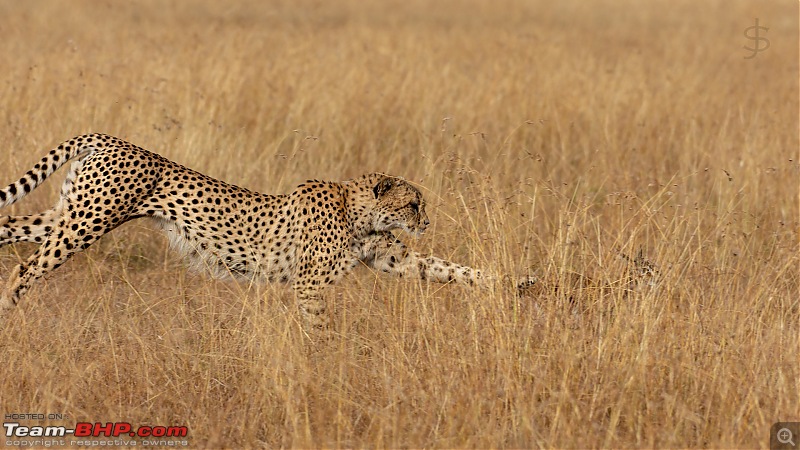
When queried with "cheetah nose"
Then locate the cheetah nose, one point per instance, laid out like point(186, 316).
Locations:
point(425, 223)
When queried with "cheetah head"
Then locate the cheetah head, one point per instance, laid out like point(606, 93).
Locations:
point(399, 205)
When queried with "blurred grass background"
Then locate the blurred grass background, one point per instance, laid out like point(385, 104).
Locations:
point(544, 135)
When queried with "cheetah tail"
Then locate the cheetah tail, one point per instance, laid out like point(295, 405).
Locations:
point(79, 146)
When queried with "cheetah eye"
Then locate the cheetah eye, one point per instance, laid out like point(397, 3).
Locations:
point(414, 206)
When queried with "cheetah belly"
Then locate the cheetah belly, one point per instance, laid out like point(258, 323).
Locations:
point(203, 255)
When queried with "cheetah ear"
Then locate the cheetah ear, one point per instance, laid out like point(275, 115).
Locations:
point(383, 186)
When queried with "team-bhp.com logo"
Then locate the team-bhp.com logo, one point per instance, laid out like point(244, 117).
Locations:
point(154, 435)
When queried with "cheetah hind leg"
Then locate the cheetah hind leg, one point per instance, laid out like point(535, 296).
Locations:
point(32, 228)
point(6, 304)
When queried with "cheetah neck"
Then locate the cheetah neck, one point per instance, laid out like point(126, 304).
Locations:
point(361, 202)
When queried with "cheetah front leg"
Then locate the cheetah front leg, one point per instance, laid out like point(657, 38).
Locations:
point(382, 251)
point(323, 260)
point(313, 276)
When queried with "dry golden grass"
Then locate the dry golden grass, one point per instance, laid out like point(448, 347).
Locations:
point(543, 135)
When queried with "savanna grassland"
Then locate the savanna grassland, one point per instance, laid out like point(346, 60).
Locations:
point(546, 138)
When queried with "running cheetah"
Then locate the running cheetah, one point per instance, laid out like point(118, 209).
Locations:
point(310, 238)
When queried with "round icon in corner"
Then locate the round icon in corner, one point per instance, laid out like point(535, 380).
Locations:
point(785, 436)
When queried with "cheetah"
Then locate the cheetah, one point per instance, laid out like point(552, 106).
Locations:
point(310, 238)
point(581, 291)
point(641, 274)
